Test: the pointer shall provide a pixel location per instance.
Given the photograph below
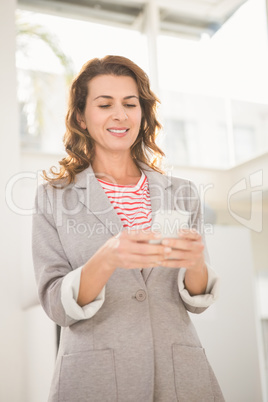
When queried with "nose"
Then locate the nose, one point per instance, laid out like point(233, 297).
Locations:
point(119, 113)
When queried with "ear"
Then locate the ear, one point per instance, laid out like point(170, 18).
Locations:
point(81, 121)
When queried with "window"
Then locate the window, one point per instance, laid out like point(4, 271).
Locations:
point(214, 91)
point(195, 132)
point(178, 140)
point(220, 85)
point(50, 50)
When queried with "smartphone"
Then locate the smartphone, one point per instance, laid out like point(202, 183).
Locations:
point(169, 222)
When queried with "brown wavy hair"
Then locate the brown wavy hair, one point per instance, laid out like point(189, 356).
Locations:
point(78, 143)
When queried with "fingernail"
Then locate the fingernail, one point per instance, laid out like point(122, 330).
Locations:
point(165, 242)
point(167, 249)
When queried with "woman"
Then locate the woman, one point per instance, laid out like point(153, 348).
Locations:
point(116, 288)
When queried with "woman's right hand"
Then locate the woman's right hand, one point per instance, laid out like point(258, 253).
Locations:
point(132, 249)
point(128, 250)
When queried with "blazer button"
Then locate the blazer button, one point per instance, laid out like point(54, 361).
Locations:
point(141, 295)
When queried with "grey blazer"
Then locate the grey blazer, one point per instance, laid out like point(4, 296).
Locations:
point(141, 345)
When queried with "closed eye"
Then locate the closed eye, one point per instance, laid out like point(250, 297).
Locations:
point(129, 105)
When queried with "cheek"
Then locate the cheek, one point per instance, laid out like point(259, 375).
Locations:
point(138, 118)
point(94, 121)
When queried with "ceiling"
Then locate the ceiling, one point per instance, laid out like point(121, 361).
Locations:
point(191, 18)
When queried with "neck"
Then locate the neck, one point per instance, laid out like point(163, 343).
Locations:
point(120, 169)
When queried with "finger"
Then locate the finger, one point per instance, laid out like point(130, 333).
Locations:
point(179, 244)
point(193, 253)
point(176, 264)
point(137, 261)
point(178, 255)
point(124, 246)
point(188, 264)
point(191, 246)
point(183, 243)
point(141, 235)
point(150, 249)
point(191, 234)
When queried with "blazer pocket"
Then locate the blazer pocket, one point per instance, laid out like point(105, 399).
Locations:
point(88, 376)
point(191, 371)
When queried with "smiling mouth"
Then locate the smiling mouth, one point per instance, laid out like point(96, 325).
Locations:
point(118, 132)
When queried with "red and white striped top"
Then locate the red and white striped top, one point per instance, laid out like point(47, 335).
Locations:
point(132, 203)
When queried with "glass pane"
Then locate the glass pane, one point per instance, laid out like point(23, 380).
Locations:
point(50, 50)
point(250, 127)
point(194, 130)
point(220, 85)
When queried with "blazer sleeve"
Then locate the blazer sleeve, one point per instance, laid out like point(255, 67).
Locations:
point(198, 303)
point(57, 282)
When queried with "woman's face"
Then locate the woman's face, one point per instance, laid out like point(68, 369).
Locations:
point(113, 113)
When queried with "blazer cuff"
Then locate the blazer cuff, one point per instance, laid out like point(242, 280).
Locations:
point(203, 300)
point(69, 294)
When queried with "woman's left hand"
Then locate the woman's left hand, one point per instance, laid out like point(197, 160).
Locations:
point(187, 250)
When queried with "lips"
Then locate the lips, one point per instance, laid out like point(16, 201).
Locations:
point(118, 132)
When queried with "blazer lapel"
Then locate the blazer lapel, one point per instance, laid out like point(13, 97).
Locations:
point(92, 195)
point(160, 187)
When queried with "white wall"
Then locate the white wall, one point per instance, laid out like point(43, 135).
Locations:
point(12, 358)
point(230, 330)
point(27, 337)
point(40, 332)
point(246, 188)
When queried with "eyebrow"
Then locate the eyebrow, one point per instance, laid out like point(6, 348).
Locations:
point(110, 97)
